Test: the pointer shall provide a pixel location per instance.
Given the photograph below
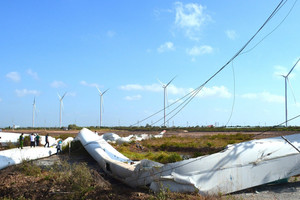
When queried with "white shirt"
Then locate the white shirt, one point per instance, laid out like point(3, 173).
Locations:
point(32, 138)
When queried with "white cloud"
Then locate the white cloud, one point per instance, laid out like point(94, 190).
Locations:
point(58, 84)
point(110, 33)
point(250, 96)
point(215, 91)
point(155, 88)
point(84, 83)
point(197, 51)
point(71, 94)
point(133, 98)
point(152, 88)
point(158, 12)
point(191, 18)
point(172, 89)
point(279, 71)
point(21, 93)
point(168, 46)
point(220, 91)
point(174, 100)
point(231, 34)
point(33, 74)
point(14, 76)
point(264, 96)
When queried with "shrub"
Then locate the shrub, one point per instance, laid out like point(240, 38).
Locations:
point(11, 145)
point(209, 144)
point(26, 141)
point(164, 157)
point(29, 169)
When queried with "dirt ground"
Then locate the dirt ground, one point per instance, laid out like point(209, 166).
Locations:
point(123, 133)
point(14, 184)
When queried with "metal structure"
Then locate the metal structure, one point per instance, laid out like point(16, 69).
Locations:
point(60, 108)
point(164, 86)
point(33, 112)
point(285, 81)
point(101, 103)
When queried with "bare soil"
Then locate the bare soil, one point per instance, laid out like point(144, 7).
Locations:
point(16, 185)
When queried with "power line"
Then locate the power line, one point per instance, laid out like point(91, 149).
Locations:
point(194, 92)
point(279, 6)
point(273, 29)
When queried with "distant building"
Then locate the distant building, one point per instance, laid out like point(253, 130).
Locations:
point(16, 126)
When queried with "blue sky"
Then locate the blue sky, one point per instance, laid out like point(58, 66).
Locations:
point(50, 47)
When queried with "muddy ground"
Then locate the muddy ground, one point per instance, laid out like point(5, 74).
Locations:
point(16, 185)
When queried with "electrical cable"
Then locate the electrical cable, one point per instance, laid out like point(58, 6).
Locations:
point(233, 103)
point(279, 6)
point(199, 158)
point(273, 29)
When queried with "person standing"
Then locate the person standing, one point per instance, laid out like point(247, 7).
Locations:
point(47, 140)
point(37, 139)
point(32, 140)
point(21, 139)
point(59, 147)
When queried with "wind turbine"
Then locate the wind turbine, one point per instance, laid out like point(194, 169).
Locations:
point(33, 112)
point(60, 107)
point(101, 99)
point(164, 86)
point(286, 80)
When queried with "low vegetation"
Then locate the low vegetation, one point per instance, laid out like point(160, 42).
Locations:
point(148, 127)
point(65, 180)
point(73, 180)
point(173, 149)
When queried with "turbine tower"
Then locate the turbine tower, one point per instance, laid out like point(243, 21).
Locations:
point(164, 86)
point(60, 107)
point(101, 103)
point(286, 80)
point(33, 112)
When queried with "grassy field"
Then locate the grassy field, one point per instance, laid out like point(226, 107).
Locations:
point(172, 149)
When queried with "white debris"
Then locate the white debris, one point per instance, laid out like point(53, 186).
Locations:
point(238, 167)
point(18, 155)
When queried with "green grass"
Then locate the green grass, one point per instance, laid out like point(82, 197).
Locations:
point(29, 169)
point(169, 149)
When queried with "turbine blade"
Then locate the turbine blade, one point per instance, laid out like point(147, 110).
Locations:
point(293, 68)
point(282, 75)
point(160, 82)
point(170, 81)
point(99, 90)
point(105, 91)
point(59, 96)
point(292, 91)
point(63, 96)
